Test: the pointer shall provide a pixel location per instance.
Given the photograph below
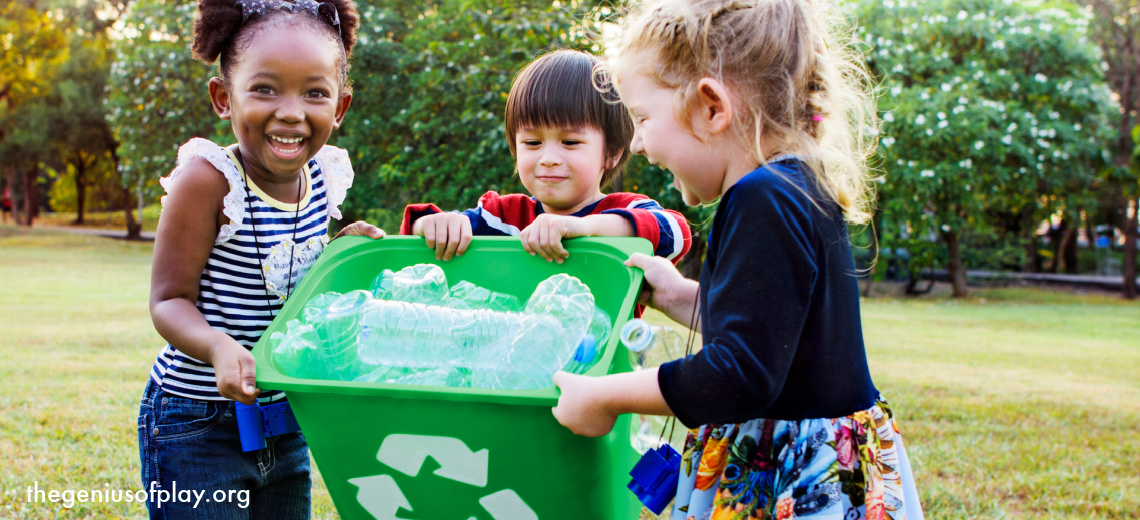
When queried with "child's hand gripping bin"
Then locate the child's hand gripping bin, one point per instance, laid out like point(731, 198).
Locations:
point(495, 453)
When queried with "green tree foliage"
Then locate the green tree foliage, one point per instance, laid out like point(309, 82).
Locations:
point(156, 96)
point(995, 114)
point(31, 49)
point(431, 81)
point(82, 144)
point(1116, 28)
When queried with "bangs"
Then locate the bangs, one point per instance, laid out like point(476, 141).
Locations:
point(557, 90)
point(568, 89)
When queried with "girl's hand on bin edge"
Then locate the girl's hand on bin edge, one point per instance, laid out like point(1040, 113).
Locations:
point(360, 228)
point(661, 280)
point(235, 373)
point(581, 407)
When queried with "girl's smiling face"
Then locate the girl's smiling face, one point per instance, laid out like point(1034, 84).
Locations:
point(283, 99)
point(662, 139)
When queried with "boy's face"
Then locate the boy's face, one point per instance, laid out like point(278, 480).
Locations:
point(561, 167)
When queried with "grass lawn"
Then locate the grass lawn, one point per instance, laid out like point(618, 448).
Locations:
point(1017, 403)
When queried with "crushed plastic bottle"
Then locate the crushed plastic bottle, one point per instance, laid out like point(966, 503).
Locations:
point(338, 328)
point(296, 351)
point(420, 283)
point(466, 295)
point(501, 349)
point(416, 331)
point(650, 346)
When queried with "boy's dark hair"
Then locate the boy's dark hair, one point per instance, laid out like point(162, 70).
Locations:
point(558, 89)
point(219, 31)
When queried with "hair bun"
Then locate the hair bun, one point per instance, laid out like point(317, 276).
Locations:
point(217, 23)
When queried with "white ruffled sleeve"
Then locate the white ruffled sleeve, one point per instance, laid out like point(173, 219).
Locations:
point(337, 170)
point(232, 206)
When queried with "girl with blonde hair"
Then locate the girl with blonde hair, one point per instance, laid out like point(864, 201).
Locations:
point(758, 106)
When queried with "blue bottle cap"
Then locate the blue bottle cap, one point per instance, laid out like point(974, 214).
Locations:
point(586, 350)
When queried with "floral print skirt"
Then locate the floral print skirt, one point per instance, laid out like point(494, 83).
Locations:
point(850, 468)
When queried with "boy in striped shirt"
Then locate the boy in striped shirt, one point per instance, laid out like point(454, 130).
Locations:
point(569, 142)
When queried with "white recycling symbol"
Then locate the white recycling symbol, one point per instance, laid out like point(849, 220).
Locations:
point(382, 498)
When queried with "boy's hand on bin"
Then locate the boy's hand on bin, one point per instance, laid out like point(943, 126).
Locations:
point(580, 407)
point(448, 233)
point(360, 228)
point(544, 236)
point(235, 373)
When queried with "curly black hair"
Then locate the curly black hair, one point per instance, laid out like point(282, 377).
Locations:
point(220, 33)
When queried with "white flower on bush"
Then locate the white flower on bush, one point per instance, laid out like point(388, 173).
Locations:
point(943, 124)
point(963, 100)
point(896, 90)
point(1008, 139)
point(888, 141)
point(920, 120)
point(1040, 78)
point(889, 117)
point(978, 145)
point(927, 173)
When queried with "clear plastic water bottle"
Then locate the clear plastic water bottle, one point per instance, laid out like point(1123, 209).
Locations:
point(338, 327)
point(296, 351)
point(466, 295)
point(422, 283)
point(515, 350)
point(650, 346)
point(423, 333)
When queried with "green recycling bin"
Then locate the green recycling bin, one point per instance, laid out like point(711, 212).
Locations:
point(389, 451)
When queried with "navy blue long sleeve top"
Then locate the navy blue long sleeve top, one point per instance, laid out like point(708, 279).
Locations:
point(779, 304)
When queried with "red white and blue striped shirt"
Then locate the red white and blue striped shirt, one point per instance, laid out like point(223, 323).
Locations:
point(508, 215)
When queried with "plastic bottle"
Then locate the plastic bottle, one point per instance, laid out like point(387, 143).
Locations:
point(650, 346)
point(466, 295)
point(514, 350)
point(338, 327)
point(420, 283)
point(419, 337)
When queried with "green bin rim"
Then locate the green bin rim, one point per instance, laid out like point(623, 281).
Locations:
point(344, 248)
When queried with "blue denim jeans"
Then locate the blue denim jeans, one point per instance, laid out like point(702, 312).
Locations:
point(193, 466)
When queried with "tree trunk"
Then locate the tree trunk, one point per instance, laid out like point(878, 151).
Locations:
point(80, 187)
point(15, 197)
point(134, 229)
point(955, 271)
point(1058, 237)
point(1069, 250)
point(1031, 265)
point(30, 195)
point(1028, 229)
point(1129, 267)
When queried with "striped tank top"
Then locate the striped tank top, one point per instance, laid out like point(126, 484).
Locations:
point(234, 294)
